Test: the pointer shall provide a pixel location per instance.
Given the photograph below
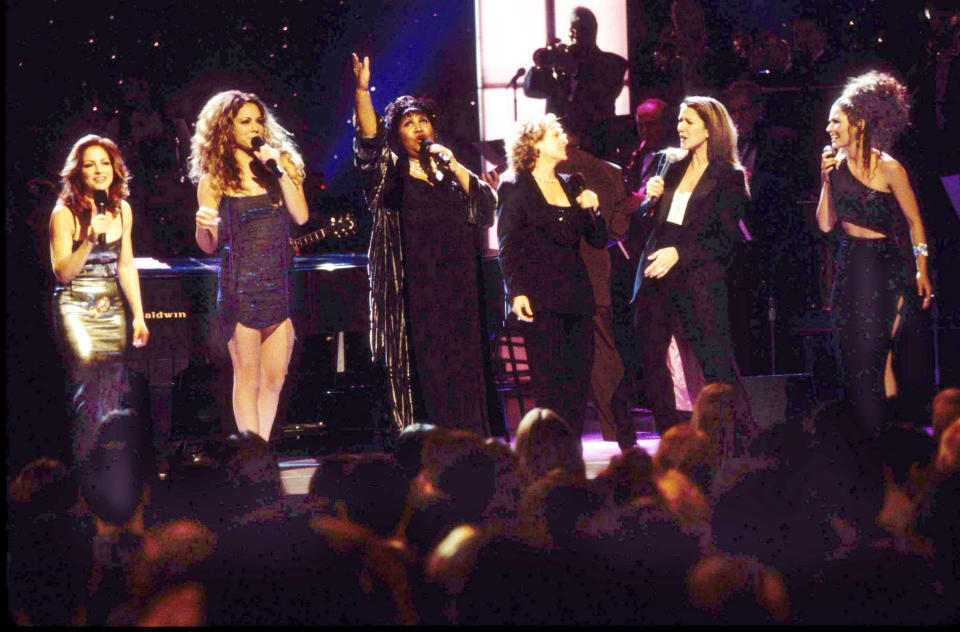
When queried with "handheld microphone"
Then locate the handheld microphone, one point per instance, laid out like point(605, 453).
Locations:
point(271, 164)
point(100, 199)
point(442, 159)
point(577, 184)
point(829, 149)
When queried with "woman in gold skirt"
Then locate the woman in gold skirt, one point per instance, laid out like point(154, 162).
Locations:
point(92, 257)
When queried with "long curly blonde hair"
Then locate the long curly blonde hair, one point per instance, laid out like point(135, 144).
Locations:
point(521, 153)
point(212, 146)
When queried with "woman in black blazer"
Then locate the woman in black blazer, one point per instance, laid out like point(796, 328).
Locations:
point(541, 219)
point(681, 282)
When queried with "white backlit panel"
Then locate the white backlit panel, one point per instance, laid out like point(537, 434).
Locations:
point(509, 31)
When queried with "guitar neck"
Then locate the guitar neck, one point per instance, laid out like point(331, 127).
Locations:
point(309, 238)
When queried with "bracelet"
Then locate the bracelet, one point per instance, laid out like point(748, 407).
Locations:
point(920, 249)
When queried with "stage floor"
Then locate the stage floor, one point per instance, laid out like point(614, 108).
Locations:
point(297, 471)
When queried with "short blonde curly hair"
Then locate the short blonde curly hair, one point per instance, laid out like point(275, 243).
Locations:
point(521, 153)
point(212, 144)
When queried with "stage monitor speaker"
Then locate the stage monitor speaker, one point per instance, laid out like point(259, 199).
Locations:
point(775, 399)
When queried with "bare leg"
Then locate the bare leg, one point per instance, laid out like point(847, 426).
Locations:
point(245, 353)
point(889, 379)
point(275, 352)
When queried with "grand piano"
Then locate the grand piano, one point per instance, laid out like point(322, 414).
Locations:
point(331, 320)
point(180, 307)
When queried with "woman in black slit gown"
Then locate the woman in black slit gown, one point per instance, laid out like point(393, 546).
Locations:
point(249, 179)
point(429, 215)
point(869, 193)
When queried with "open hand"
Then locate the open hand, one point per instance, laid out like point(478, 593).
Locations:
point(663, 261)
point(361, 70)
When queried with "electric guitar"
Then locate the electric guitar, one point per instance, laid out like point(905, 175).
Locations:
point(340, 227)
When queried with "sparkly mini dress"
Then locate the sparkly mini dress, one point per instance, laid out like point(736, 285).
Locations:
point(254, 285)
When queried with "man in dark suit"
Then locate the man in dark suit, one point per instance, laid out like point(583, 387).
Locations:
point(606, 376)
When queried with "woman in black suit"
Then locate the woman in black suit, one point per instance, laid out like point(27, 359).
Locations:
point(681, 282)
point(541, 218)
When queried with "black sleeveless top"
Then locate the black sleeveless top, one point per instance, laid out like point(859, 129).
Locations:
point(859, 204)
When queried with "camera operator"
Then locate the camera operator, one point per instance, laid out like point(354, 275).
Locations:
point(580, 82)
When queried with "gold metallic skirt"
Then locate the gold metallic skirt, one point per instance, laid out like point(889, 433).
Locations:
point(91, 322)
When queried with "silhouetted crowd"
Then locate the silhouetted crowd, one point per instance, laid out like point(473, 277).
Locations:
point(806, 522)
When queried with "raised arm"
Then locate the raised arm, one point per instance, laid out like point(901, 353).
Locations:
point(366, 116)
point(899, 182)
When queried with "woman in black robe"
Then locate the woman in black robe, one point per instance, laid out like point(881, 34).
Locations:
point(429, 213)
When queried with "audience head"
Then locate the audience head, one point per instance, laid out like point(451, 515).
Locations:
point(629, 475)
point(408, 449)
point(544, 442)
point(556, 508)
point(368, 489)
point(948, 454)
point(652, 122)
point(44, 485)
point(905, 451)
point(250, 464)
point(114, 476)
point(164, 576)
point(946, 409)
point(687, 449)
point(738, 590)
point(744, 101)
point(463, 470)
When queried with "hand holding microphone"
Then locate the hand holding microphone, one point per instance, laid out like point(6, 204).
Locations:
point(828, 162)
point(440, 154)
point(654, 189)
point(100, 223)
point(267, 155)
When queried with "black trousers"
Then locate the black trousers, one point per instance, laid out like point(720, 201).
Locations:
point(695, 310)
point(560, 352)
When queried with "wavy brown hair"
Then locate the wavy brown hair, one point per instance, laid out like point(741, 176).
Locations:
point(878, 104)
point(71, 176)
point(212, 146)
point(521, 153)
point(722, 141)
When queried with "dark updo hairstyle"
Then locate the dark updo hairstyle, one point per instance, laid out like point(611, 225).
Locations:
point(401, 107)
point(879, 103)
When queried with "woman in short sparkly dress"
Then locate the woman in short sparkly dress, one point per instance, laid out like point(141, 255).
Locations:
point(92, 256)
point(869, 193)
point(249, 178)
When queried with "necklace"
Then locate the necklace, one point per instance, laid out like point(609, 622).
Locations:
point(415, 167)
